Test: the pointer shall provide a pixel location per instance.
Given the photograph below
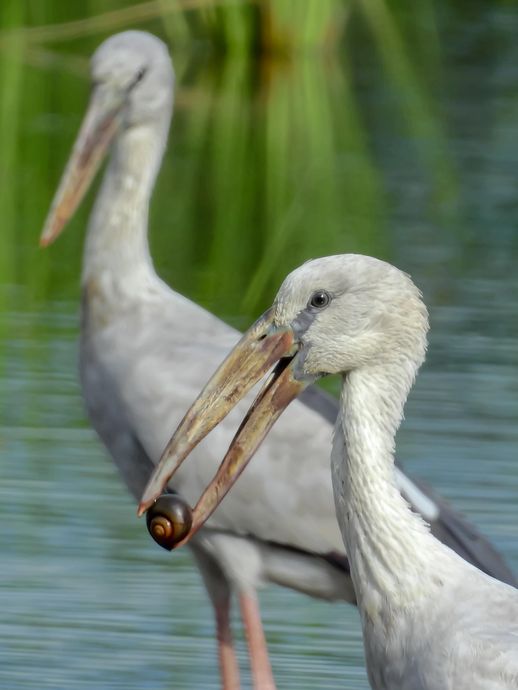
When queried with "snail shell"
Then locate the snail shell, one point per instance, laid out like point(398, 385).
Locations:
point(169, 520)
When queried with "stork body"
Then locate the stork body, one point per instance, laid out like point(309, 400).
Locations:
point(431, 621)
point(145, 350)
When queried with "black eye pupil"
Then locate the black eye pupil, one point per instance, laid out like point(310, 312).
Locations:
point(138, 78)
point(320, 299)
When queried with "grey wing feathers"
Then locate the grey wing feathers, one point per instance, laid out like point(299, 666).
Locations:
point(456, 532)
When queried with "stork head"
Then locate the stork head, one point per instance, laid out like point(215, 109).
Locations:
point(133, 70)
point(351, 311)
point(132, 85)
point(331, 316)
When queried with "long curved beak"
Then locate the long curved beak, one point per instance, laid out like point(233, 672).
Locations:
point(260, 348)
point(95, 135)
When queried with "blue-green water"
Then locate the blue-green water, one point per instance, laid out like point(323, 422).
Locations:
point(403, 145)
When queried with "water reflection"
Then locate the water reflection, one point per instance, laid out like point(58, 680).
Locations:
point(264, 170)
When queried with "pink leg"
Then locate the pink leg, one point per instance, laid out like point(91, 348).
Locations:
point(228, 666)
point(262, 676)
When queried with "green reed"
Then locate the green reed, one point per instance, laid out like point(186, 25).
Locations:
point(270, 159)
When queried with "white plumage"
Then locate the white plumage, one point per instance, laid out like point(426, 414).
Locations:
point(430, 620)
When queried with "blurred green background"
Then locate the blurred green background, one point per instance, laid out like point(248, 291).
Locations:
point(301, 128)
point(272, 145)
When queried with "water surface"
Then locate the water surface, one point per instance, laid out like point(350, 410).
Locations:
point(403, 145)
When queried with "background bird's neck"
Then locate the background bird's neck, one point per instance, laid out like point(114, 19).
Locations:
point(117, 244)
point(390, 548)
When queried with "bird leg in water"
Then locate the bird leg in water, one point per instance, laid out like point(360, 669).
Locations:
point(228, 665)
point(262, 675)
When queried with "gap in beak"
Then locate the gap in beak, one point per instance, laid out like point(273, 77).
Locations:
point(279, 368)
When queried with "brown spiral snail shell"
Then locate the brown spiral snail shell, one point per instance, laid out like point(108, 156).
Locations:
point(169, 520)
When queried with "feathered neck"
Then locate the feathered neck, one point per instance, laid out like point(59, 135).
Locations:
point(116, 248)
point(391, 550)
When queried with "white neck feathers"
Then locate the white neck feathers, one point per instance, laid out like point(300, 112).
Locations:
point(116, 247)
point(390, 547)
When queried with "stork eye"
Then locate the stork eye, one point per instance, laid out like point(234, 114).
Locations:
point(319, 299)
point(139, 76)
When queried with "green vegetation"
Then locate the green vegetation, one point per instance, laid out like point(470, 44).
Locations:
point(271, 159)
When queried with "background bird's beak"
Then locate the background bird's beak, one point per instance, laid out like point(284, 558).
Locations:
point(97, 130)
point(259, 349)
